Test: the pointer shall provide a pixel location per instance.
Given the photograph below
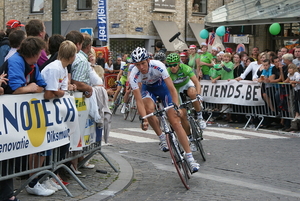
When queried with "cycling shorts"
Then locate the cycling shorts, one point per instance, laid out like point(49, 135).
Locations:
point(184, 89)
point(157, 89)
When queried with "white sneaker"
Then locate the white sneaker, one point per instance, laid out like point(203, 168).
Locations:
point(123, 108)
point(193, 147)
point(202, 124)
point(38, 189)
point(194, 166)
point(88, 165)
point(163, 146)
point(53, 183)
point(46, 184)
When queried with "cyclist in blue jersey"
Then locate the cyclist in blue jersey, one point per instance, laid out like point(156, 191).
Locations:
point(155, 80)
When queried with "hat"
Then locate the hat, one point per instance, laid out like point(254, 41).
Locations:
point(199, 51)
point(214, 48)
point(183, 54)
point(11, 24)
point(193, 46)
point(228, 49)
point(203, 44)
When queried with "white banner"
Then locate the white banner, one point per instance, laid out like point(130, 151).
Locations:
point(85, 133)
point(247, 93)
point(31, 124)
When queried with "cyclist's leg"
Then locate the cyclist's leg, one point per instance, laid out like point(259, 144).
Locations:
point(127, 92)
point(116, 93)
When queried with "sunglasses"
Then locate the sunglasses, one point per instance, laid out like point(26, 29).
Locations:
point(172, 65)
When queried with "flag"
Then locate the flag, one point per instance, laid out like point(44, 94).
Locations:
point(226, 36)
point(212, 37)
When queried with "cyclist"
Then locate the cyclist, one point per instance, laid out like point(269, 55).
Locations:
point(160, 56)
point(185, 81)
point(121, 81)
point(155, 80)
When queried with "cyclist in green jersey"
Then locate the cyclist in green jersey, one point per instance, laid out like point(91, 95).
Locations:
point(121, 81)
point(185, 81)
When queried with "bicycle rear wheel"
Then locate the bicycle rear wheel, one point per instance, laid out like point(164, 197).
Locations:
point(132, 109)
point(178, 160)
point(197, 135)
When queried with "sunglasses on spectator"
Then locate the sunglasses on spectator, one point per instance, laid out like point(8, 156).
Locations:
point(172, 65)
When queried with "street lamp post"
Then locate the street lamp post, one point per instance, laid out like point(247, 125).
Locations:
point(56, 18)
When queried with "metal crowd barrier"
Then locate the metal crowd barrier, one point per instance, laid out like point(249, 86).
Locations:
point(279, 103)
point(18, 167)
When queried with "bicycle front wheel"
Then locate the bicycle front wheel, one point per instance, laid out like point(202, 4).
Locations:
point(117, 103)
point(197, 135)
point(132, 109)
point(178, 159)
point(127, 106)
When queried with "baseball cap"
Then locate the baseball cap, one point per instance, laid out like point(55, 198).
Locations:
point(203, 44)
point(193, 46)
point(214, 48)
point(228, 49)
point(183, 54)
point(11, 24)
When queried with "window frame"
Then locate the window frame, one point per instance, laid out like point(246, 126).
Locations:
point(200, 12)
point(32, 3)
point(80, 9)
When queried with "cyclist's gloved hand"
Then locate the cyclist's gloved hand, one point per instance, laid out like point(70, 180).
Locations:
point(199, 97)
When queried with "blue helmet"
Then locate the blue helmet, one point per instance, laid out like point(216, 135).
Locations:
point(139, 54)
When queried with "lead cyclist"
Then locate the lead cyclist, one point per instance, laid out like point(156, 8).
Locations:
point(155, 80)
point(185, 81)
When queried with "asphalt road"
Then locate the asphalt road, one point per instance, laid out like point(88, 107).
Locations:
point(241, 165)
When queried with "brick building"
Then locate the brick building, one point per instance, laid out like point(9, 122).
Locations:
point(143, 22)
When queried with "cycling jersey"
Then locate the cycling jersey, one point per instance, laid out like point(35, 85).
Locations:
point(153, 84)
point(124, 68)
point(182, 76)
point(156, 73)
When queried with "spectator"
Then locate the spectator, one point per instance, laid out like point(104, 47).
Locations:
point(15, 39)
point(37, 28)
point(109, 67)
point(159, 47)
point(214, 52)
point(294, 80)
point(227, 67)
point(255, 53)
point(53, 45)
point(296, 61)
point(192, 57)
point(214, 72)
point(24, 62)
point(184, 58)
point(238, 68)
point(283, 51)
point(117, 65)
point(204, 63)
point(100, 60)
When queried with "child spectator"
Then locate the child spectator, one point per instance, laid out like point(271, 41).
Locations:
point(214, 72)
point(227, 67)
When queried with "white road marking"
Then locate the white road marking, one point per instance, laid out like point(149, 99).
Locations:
point(224, 136)
point(244, 132)
point(131, 137)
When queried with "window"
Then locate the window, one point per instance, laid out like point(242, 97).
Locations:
point(37, 6)
point(84, 4)
point(63, 5)
point(200, 7)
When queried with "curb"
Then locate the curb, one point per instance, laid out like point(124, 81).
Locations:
point(124, 178)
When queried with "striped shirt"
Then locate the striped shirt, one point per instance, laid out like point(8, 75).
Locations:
point(80, 69)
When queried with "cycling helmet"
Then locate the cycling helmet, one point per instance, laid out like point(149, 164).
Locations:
point(173, 58)
point(139, 54)
point(160, 56)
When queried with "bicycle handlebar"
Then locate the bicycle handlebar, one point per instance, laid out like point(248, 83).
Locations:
point(155, 113)
point(183, 105)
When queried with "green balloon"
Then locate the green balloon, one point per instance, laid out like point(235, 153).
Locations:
point(203, 34)
point(220, 31)
point(274, 29)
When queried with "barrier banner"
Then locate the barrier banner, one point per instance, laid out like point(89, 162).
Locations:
point(31, 124)
point(109, 81)
point(85, 133)
point(247, 93)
